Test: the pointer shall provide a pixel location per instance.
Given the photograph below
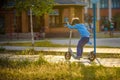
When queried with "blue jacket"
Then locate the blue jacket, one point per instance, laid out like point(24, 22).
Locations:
point(81, 29)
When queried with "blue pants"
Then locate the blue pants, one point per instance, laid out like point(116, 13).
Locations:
point(81, 44)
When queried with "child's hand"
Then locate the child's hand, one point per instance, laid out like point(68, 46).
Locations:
point(90, 43)
point(67, 23)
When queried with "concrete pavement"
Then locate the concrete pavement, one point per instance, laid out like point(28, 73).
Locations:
point(106, 62)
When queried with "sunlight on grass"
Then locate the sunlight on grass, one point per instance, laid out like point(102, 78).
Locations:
point(12, 70)
point(37, 44)
point(46, 43)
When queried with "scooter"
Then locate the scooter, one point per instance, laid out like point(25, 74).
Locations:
point(68, 54)
point(91, 56)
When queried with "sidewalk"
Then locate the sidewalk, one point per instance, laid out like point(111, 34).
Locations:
point(106, 62)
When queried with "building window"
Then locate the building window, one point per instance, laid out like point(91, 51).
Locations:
point(54, 18)
point(89, 4)
point(115, 4)
point(106, 3)
point(2, 27)
point(118, 4)
point(103, 3)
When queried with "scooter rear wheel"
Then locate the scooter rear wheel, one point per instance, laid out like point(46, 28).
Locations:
point(91, 56)
point(67, 55)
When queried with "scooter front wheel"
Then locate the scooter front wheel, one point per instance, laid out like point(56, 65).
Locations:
point(67, 55)
point(91, 56)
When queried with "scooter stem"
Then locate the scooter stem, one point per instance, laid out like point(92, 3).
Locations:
point(70, 39)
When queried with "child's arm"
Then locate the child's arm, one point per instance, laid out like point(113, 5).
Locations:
point(70, 26)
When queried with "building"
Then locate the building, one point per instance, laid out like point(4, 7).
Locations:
point(106, 10)
point(52, 24)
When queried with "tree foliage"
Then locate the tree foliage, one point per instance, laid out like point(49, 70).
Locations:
point(38, 7)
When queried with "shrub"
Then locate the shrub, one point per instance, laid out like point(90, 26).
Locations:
point(2, 49)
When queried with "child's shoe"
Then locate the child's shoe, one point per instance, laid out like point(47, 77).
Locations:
point(76, 57)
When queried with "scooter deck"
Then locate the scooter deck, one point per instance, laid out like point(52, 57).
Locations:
point(82, 60)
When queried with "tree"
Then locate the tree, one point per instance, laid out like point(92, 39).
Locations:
point(36, 7)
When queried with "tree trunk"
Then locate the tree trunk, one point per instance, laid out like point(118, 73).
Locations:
point(31, 25)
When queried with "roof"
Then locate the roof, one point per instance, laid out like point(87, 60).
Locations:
point(76, 2)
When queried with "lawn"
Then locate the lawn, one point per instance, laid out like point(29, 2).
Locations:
point(42, 70)
point(45, 43)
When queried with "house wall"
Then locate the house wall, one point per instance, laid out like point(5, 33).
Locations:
point(24, 22)
point(65, 11)
point(9, 21)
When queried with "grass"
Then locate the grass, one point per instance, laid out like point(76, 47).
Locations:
point(37, 44)
point(46, 43)
point(33, 52)
point(42, 70)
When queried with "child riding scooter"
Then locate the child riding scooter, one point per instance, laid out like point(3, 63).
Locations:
point(85, 36)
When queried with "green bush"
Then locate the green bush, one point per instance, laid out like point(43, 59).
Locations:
point(40, 61)
point(2, 49)
point(28, 52)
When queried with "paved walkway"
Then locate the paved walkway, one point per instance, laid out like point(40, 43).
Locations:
point(107, 62)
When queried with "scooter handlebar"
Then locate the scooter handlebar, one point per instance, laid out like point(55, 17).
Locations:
point(65, 25)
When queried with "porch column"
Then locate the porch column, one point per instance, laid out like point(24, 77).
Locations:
point(46, 22)
point(110, 9)
point(24, 22)
point(98, 17)
point(61, 16)
point(82, 15)
point(86, 7)
point(72, 14)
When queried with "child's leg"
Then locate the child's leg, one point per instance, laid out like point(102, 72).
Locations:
point(80, 45)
